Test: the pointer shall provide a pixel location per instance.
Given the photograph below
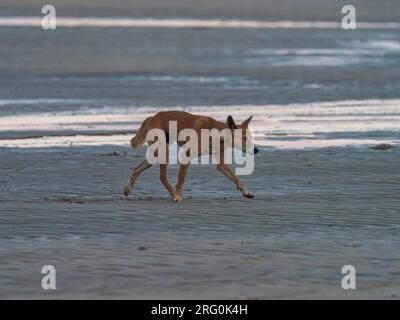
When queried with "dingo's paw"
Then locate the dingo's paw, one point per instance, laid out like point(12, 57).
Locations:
point(178, 198)
point(248, 194)
point(127, 191)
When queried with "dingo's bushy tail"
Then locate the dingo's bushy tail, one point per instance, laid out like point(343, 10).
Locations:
point(140, 138)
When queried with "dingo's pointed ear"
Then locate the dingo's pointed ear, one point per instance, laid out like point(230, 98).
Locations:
point(246, 122)
point(231, 123)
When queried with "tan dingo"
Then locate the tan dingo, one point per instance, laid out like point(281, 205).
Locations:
point(187, 120)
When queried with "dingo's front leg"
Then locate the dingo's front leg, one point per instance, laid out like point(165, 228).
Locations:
point(226, 170)
point(181, 180)
point(135, 174)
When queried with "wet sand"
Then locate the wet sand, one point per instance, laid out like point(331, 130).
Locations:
point(314, 212)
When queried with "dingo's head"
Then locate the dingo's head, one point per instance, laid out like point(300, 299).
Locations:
point(240, 141)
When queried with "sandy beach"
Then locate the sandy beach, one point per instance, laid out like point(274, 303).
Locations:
point(314, 212)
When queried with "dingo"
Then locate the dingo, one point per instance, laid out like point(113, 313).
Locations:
point(186, 120)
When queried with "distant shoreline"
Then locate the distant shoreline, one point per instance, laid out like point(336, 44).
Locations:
point(124, 22)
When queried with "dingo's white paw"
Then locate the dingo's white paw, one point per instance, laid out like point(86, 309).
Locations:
point(248, 194)
point(178, 198)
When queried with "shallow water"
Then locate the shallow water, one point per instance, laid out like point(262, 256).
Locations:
point(79, 81)
point(169, 67)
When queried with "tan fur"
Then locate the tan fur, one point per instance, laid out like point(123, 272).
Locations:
point(184, 120)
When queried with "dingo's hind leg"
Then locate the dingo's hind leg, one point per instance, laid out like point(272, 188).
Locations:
point(135, 174)
point(164, 172)
point(164, 179)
